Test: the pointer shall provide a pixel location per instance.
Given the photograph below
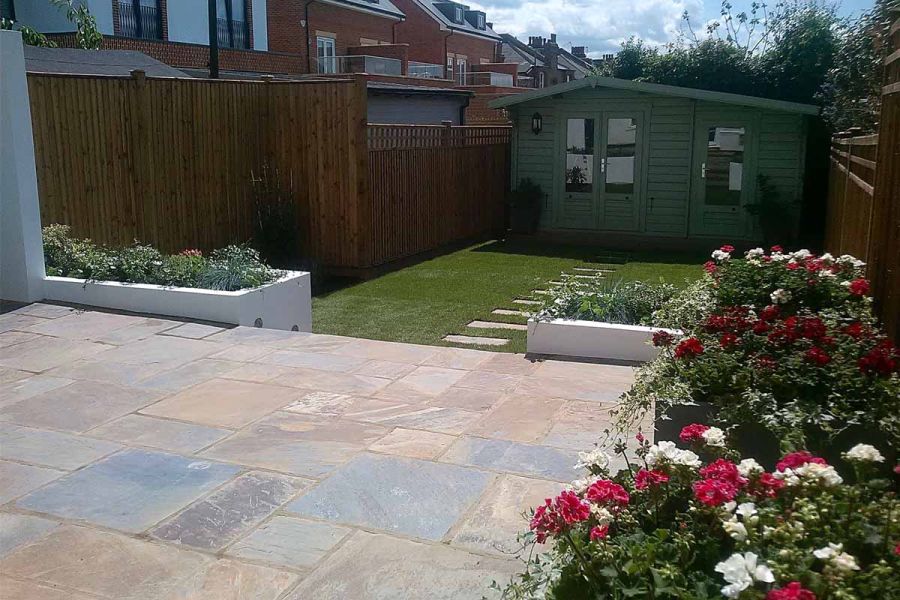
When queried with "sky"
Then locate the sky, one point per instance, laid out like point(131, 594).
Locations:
point(602, 25)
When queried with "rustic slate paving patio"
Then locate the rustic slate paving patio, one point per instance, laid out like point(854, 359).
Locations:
point(149, 458)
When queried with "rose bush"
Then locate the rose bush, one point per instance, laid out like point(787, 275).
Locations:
point(706, 523)
point(787, 341)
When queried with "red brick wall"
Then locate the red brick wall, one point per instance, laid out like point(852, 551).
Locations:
point(286, 34)
point(396, 51)
point(178, 54)
point(478, 111)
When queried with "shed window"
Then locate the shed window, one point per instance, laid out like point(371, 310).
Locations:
point(579, 155)
point(724, 168)
point(621, 136)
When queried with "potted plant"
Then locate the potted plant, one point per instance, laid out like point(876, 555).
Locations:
point(525, 207)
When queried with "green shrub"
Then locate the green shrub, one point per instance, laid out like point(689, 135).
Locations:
point(627, 303)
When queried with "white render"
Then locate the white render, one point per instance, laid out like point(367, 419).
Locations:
point(21, 248)
point(284, 304)
point(590, 339)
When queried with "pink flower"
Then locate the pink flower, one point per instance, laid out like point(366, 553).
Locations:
point(897, 550)
point(792, 591)
point(727, 248)
point(599, 532)
point(724, 470)
point(798, 459)
point(571, 508)
point(792, 266)
point(604, 491)
point(859, 287)
point(545, 522)
point(639, 437)
point(662, 338)
point(767, 486)
point(818, 356)
point(645, 478)
point(689, 348)
point(191, 252)
point(776, 248)
point(692, 433)
point(714, 492)
point(710, 267)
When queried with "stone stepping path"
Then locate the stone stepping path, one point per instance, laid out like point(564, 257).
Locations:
point(470, 340)
point(510, 313)
point(591, 277)
point(591, 270)
point(527, 302)
point(492, 325)
point(541, 292)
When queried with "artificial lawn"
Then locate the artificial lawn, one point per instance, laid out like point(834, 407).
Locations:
point(424, 302)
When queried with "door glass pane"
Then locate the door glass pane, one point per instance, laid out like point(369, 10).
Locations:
point(724, 166)
point(579, 155)
point(621, 136)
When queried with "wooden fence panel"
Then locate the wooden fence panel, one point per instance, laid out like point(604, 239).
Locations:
point(864, 197)
point(432, 185)
point(169, 161)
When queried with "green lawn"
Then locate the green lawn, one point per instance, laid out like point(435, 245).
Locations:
point(424, 302)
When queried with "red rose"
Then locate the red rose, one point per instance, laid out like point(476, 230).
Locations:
point(798, 459)
point(710, 267)
point(760, 328)
point(897, 550)
point(859, 287)
point(727, 248)
point(724, 470)
point(766, 486)
point(769, 313)
point(545, 522)
point(792, 591)
point(812, 328)
point(689, 348)
point(880, 360)
point(714, 492)
point(818, 356)
point(645, 478)
point(776, 248)
point(728, 340)
point(854, 330)
point(662, 338)
point(571, 508)
point(604, 491)
point(692, 433)
point(599, 532)
point(766, 362)
point(792, 266)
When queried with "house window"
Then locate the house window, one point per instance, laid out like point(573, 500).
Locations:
point(8, 9)
point(461, 70)
point(459, 14)
point(232, 24)
point(325, 54)
point(140, 19)
point(449, 73)
point(479, 21)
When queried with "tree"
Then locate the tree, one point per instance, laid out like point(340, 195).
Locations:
point(87, 36)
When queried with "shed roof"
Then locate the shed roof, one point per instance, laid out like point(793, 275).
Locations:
point(659, 89)
point(94, 62)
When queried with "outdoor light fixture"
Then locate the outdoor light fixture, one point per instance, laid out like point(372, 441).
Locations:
point(536, 123)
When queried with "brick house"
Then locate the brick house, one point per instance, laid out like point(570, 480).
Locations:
point(543, 62)
point(448, 34)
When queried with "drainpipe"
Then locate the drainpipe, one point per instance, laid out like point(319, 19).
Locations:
point(306, 20)
point(394, 30)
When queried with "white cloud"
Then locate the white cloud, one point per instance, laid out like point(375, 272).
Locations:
point(601, 26)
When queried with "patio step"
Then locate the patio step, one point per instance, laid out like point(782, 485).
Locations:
point(527, 302)
point(508, 312)
point(471, 340)
point(493, 325)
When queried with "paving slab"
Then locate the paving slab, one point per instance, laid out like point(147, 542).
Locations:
point(496, 325)
point(223, 403)
point(468, 399)
point(519, 418)
point(84, 325)
point(296, 444)
point(44, 310)
point(329, 404)
point(512, 457)
point(136, 331)
point(400, 495)
point(26, 385)
point(415, 416)
point(385, 368)
point(45, 352)
point(8, 376)
point(458, 358)
point(18, 530)
point(255, 335)
point(188, 375)
point(380, 567)
point(527, 302)
point(19, 322)
point(341, 383)
point(242, 352)
point(314, 360)
point(51, 448)
point(394, 351)
point(77, 407)
point(13, 588)
point(257, 372)
point(17, 480)
point(194, 331)
point(473, 340)
point(495, 523)
point(490, 381)
point(290, 542)
point(108, 372)
point(167, 350)
point(413, 443)
point(130, 491)
point(141, 430)
point(579, 425)
point(229, 512)
point(11, 338)
point(511, 364)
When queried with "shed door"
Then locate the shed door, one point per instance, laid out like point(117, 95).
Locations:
point(579, 206)
point(723, 177)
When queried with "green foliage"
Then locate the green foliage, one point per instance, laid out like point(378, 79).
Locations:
point(231, 268)
point(624, 302)
point(87, 36)
point(276, 230)
point(29, 35)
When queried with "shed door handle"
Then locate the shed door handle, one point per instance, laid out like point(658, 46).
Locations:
point(603, 165)
point(702, 170)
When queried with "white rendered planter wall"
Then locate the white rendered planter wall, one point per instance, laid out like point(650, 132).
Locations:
point(284, 304)
point(590, 339)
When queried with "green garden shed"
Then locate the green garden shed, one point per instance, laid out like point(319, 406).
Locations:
point(614, 156)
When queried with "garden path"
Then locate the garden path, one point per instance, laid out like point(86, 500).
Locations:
point(149, 458)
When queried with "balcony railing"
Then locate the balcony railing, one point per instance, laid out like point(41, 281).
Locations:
point(485, 78)
point(426, 70)
point(142, 23)
point(232, 34)
point(377, 65)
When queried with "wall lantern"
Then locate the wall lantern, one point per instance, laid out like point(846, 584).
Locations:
point(536, 123)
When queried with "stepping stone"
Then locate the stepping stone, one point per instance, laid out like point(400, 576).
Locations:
point(541, 292)
point(469, 340)
point(527, 302)
point(592, 270)
point(556, 283)
point(492, 325)
point(595, 277)
point(511, 313)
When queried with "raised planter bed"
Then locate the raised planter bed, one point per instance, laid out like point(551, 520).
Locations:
point(283, 304)
point(590, 339)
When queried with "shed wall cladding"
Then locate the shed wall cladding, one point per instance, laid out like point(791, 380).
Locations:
point(662, 207)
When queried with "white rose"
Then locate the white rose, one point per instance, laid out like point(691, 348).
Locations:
point(824, 474)
point(668, 452)
point(736, 530)
point(747, 510)
point(780, 296)
point(602, 515)
point(714, 437)
point(748, 467)
point(740, 571)
point(864, 453)
point(595, 458)
point(801, 254)
point(851, 260)
point(834, 555)
point(755, 253)
point(827, 258)
point(720, 255)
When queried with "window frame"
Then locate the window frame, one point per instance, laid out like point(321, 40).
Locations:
point(324, 41)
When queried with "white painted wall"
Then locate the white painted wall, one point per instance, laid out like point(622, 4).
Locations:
point(21, 249)
point(48, 18)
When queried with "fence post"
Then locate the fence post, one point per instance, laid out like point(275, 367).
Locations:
point(21, 249)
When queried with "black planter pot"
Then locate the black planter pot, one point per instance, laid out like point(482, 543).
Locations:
point(751, 440)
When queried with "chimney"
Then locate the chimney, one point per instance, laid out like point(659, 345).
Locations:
point(490, 25)
point(535, 41)
point(579, 51)
point(553, 37)
point(551, 59)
